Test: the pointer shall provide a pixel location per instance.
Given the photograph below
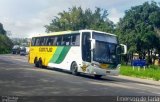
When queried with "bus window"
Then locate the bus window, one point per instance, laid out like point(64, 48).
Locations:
point(45, 41)
point(66, 40)
point(59, 40)
point(54, 40)
point(33, 42)
point(75, 40)
point(37, 42)
point(50, 40)
point(42, 41)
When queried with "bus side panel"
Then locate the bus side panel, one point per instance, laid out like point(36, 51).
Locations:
point(32, 53)
point(73, 54)
point(46, 55)
point(43, 52)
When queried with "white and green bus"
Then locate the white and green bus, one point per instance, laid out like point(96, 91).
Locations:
point(85, 51)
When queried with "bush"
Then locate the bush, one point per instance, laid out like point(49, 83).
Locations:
point(152, 72)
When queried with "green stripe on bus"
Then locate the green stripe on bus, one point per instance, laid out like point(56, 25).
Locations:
point(63, 54)
point(60, 54)
point(56, 54)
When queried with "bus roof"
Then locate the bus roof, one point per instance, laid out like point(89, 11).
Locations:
point(71, 32)
point(98, 32)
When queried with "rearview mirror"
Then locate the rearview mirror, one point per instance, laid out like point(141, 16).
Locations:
point(124, 49)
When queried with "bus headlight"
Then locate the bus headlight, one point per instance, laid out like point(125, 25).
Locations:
point(95, 65)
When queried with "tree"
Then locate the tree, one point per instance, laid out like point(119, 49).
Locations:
point(20, 41)
point(76, 18)
point(2, 31)
point(5, 42)
point(138, 29)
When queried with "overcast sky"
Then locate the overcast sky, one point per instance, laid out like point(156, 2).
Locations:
point(24, 18)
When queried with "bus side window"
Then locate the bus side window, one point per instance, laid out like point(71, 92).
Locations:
point(42, 41)
point(75, 40)
point(59, 40)
point(54, 40)
point(45, 41)
point(49, 41)
point(33, 42)
point(37, 42)
point(66, 40)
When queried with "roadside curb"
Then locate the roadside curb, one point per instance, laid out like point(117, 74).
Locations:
point(150, 81)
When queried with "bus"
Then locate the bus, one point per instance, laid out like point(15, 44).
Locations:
point(84, 51)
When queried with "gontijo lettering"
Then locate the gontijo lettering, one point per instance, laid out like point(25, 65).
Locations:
point(45, 49)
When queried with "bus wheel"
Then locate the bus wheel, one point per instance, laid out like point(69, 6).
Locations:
point(40, 63)
point(36, 62)
point(97, 76)
point(74, 68)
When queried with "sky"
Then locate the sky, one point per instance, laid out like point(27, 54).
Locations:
point(25, 18)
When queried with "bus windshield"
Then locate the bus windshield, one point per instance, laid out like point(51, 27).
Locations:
point(104, 37)
point(105, 48)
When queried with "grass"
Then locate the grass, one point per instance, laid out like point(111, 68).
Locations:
point(152, 72)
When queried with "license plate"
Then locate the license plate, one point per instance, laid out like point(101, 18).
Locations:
point(104, 66)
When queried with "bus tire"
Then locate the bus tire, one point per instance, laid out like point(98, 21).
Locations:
point(74, 68)
point(40, 63)
point(36, 62)
point(97, 76)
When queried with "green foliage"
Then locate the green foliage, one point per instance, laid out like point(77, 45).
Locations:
point(77, 18)
point(2, 31)
point(20, 41)
point(5, 44)
point(152, 72)
point(137, 29)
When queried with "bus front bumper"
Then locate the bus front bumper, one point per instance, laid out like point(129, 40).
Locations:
point(104, 72)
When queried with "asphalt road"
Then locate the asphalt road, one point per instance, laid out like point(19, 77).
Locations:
point(19, 78)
